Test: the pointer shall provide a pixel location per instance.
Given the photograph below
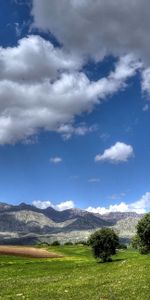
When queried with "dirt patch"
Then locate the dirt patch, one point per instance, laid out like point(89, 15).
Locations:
point(27, 252)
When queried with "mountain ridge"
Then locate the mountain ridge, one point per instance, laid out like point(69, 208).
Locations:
point(24, 220)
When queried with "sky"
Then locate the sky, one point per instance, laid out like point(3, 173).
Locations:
point(74, 104)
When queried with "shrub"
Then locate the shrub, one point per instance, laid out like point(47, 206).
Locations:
point(135, 242)
point(68, 243)
point(55, 243)
point(144, 249)
point(42, 244)
point(104, 243)
point(143, 233)
point(81, 243)
point(122, 246)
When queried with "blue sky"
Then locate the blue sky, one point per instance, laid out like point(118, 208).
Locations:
point(74, 105)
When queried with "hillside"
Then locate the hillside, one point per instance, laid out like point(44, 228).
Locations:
point(28, 224)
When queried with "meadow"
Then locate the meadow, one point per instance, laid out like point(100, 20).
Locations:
point(76, 275)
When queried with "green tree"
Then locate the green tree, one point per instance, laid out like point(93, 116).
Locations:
point(135, 242)
point(104, 243)
point(143, 232)
point(55, 243)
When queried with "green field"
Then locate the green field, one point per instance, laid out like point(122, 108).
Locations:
point(77, 276)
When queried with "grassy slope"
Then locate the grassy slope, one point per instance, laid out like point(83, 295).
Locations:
point(77, 276)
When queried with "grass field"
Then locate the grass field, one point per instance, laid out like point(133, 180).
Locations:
point(76, 276)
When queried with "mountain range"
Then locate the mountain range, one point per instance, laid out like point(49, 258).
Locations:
point(27, 224)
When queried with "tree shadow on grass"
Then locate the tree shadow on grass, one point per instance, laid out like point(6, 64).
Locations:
point(111, 261)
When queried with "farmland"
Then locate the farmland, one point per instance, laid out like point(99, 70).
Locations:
point(75, 276)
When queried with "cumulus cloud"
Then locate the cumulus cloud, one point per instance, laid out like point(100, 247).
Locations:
point(65, 205)
point(120, 152)
point(56, 160)
point(42, 204)
point(139, 206)
point(142, 204)
point(42, 88)
point(121, 207)
point(97, 28)
point(34, 60)
point(146, 81)
point(61, 206)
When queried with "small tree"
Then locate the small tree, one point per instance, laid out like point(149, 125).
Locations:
point(68, 244)
point(143, 233)
point(55, 243)
point(104, 243)
point(135, 242)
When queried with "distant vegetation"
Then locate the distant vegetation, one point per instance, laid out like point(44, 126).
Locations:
point(55, 243)
point(58, 243)
point(68, 244)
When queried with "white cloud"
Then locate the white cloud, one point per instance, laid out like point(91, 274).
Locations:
point(122, 207)
point(18, 29)
point(61, 206)
point(117, 196)
point(146, 107)
point(65, 205)
point(105, 136)
point(146, 81)
point(67, 130)
point(46, 94)
point(42, 204)
point(120, 152)
point(94, 179)
point(56, 160)
point(97, 28)
point(74, 177)
point(140, 206)
point(34, 60)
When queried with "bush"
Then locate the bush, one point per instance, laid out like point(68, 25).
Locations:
point(81, 243)
point(68, 243)
point(122, 246)
point(135, 242)
point(143, 233)
point(42, 244)
point(144, 249)
point(55, 243)
point(104, 243)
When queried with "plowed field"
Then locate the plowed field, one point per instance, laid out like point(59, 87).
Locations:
point(27, 252)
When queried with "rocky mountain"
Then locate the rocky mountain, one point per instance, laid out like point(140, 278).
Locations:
point(28, 224)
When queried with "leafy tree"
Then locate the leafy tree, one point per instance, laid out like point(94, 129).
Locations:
point(135, 242)
point(104, 243)
point(68, 244)
point(143, 233)
point(55, 243)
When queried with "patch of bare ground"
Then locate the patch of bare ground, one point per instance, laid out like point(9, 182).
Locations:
point(27, 252)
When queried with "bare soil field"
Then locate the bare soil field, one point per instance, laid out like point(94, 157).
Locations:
point(27, 252)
